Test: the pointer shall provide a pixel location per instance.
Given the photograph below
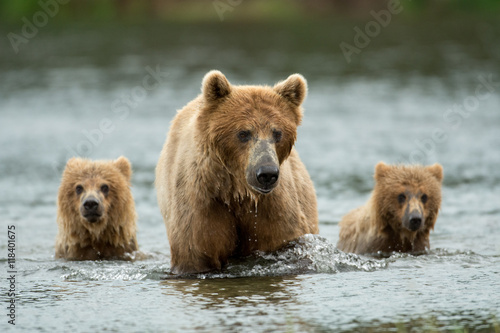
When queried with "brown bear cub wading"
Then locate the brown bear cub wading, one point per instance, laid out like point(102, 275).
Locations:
point(229, 180)
point(96, 212)
point(400, 213)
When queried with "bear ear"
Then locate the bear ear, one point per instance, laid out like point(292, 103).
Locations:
point(123, 164)
point(73, 162)
point(293, 89)
point(215, 86)
point(436, 170)
point(381, 170)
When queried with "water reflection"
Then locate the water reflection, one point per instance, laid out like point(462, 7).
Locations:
point(238, 292)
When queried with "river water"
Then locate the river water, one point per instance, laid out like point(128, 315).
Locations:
point(393, 102)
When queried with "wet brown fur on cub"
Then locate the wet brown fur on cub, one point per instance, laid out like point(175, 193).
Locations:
point(228, 180)
point(95, 211)
point(400, 213)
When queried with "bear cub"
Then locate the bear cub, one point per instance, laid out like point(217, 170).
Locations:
point(95, 211)
point(400, 213)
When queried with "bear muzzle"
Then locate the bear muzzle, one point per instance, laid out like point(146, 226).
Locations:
point(413, 218)
point(263, 168)
point(413, 221)
point(267, 176)
point(91, 209)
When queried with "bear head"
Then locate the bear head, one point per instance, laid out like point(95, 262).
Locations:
point(250, 130)
point(407, 198)
point(93, 193)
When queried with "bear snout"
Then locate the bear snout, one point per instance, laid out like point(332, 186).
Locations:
point(91, 209)
point(267, 175)
point(413, 221)
point(264, 177)
point(263, 168)
point(91, 205)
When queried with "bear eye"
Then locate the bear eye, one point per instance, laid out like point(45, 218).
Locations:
point(244, 136)
point(277, 135)
point(105, 189)
point(424, 198)
point(79, 189)
point(401, 198)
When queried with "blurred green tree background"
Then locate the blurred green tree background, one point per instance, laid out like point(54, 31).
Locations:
point(12, 11)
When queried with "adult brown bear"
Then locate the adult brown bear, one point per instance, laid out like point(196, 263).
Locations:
point(228, 180)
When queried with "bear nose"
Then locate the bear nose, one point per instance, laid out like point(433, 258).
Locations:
point(415, 223)
point(91, 204)
point(267, 175)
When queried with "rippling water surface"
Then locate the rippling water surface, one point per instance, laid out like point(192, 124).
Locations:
point(385, 105)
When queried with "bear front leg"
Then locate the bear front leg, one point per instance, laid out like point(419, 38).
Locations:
point(203, 241)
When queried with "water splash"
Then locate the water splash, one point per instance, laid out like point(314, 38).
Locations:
point(104, 275)
point(145, 266)
point(308, 254)
point(107, 272)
